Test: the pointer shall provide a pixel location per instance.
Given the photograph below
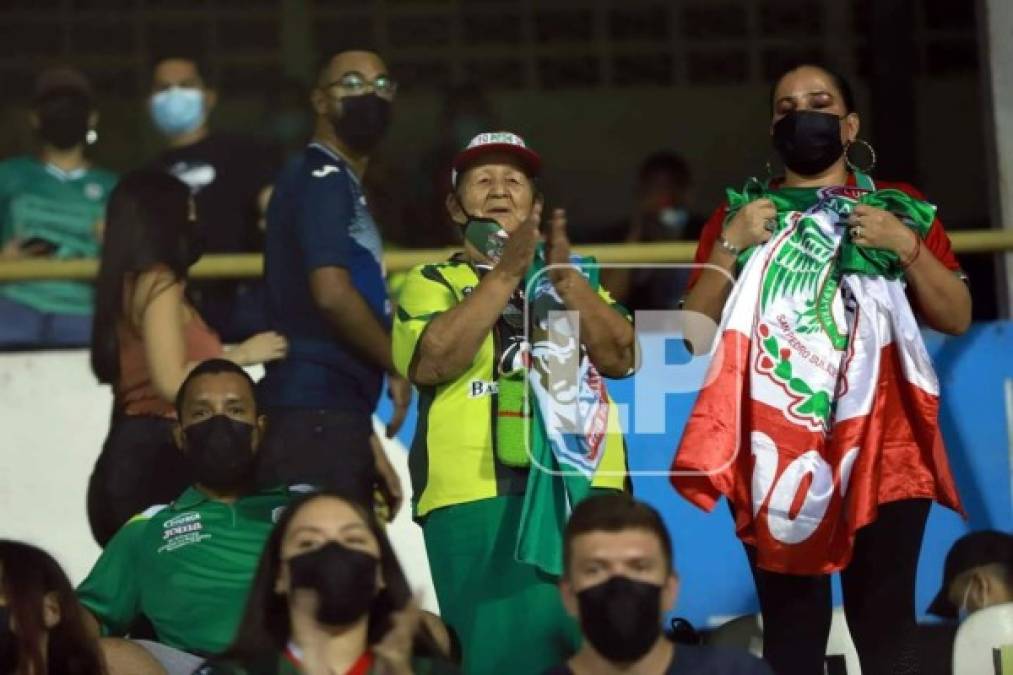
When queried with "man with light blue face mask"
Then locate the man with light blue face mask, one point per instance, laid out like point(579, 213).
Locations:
point(978, 573)
point(230, 177)
point(179, 108)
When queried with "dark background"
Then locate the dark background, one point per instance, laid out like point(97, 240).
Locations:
point(594, 86)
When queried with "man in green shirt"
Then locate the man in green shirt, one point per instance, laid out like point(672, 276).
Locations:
point(52, 206)
point(187, 566)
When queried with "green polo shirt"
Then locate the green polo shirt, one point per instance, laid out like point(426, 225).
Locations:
point(186, 566)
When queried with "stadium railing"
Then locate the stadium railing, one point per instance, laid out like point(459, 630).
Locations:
point(236, 266)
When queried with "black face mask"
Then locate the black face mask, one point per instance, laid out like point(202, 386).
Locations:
point(808, 141)
point(621, 617)
point(8, 644)
point(344, 580)
point(363, 121)
point(219, 452)
point(63, 119)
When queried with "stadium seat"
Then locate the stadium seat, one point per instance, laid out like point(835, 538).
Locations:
point(984, 642)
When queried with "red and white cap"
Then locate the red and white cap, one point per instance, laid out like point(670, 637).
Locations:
point(492, 142)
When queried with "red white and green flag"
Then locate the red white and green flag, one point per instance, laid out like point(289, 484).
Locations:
point(821, 401)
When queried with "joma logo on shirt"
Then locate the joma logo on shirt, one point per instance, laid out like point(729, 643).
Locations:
point(325, 170)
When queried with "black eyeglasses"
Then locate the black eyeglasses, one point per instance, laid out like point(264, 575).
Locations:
point(355, 83)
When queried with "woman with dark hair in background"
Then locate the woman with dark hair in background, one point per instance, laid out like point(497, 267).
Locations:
point(329, 596)
point(820, 419)
point(146, 338)
point(41, 623)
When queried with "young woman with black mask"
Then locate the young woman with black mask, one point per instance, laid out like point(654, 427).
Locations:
point(330, 598)
point(834, 455)
point(146, 338)
point(41, 623)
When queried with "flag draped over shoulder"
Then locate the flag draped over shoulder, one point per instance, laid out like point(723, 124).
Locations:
point(568, 406)
point(822, 402)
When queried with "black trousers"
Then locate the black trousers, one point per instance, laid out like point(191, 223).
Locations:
point(328, 449)
point(878, 587)
point(140, 466)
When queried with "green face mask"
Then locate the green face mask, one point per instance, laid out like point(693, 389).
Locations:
point(487, 236)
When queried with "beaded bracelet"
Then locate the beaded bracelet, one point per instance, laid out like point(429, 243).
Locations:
point(727, 246)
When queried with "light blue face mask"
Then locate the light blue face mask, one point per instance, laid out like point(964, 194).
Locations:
point(177, 110)
point(963, 611)
point(674, 220)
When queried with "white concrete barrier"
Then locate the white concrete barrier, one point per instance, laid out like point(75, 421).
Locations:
point(53, 420)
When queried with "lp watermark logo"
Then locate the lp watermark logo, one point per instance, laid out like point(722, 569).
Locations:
point(574, 414)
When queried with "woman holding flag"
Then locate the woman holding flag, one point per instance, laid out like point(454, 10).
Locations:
point(515, 423)
point(819, 420)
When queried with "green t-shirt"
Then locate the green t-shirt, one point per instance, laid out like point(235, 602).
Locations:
point(187, 567)
point(64, 208)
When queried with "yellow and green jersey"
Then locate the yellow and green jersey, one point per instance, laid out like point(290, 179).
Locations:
point(187, 566)
point(453, 458)
point(62, 208)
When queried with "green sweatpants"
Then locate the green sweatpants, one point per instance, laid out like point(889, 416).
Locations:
point(508, 615)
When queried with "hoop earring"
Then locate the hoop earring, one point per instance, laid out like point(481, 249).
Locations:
point(872, 156)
